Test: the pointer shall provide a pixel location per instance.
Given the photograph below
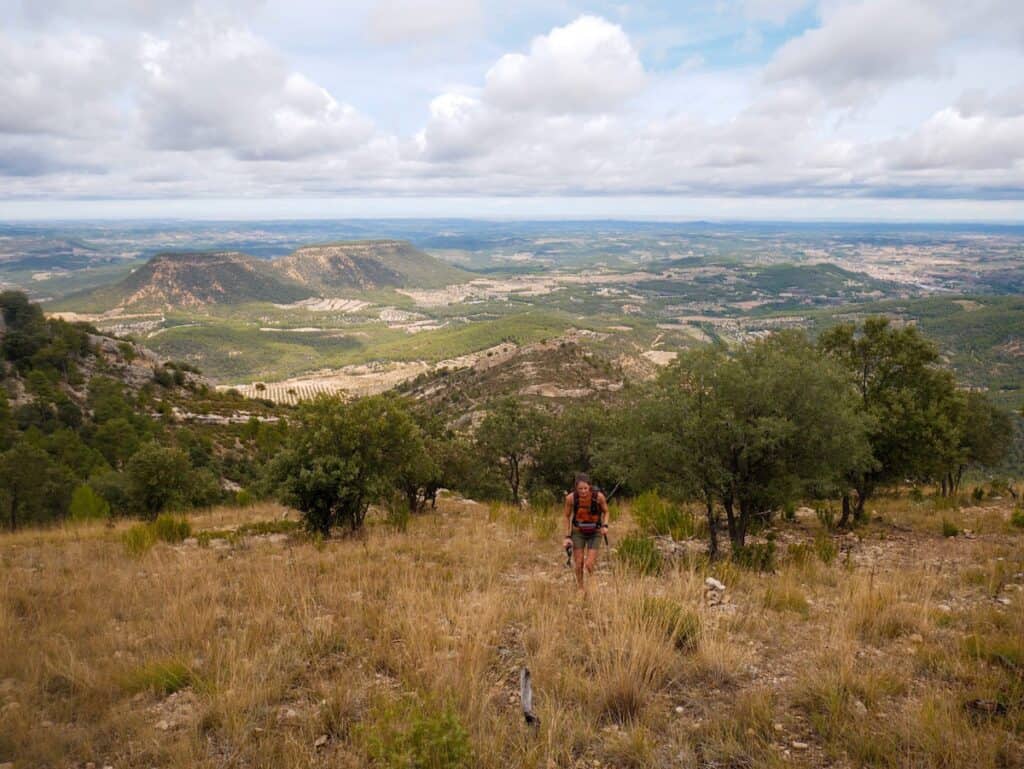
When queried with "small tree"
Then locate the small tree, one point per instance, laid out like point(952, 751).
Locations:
point(509, 437)
point(158, 478)
point(87, 505)
point(909, 402)
point(33, 488)
point(342, 457)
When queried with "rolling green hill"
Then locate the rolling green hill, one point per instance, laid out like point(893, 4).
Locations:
point(981, 336)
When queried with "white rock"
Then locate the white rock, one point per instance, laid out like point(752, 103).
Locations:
point(163, 725)
point(859, 708)
point(679, 709)
point(321, 741)
point(800, 745)
point(714, 584)
point(1004, 600)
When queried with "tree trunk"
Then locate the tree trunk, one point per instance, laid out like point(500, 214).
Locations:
point(844, 519)
point(730, 519)
point(14, 510)
point(712, 526)
point(513, 478)
point(858, 510)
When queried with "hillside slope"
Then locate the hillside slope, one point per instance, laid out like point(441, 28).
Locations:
point(191, 280)
point(366, 264)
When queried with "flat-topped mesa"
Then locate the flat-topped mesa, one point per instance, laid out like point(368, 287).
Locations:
point(365, 264)
point(342, 265)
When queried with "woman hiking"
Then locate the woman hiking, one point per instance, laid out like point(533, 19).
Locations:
point(586, 523)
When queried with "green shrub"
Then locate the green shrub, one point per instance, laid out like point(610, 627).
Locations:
point(782, 597)
point(1017, 518)
point(789, 511)
point(397, 514)
point(259, 528)
point(138, 539)
point(799, 553)
point(949, 529)
point(171, 528)
point(825, 547)
point(640, 554)
point(757, 557)
point(245, 498)
point(826, 516)
point(87, 505)
point(916, 494)
point(409, 735)
point(680, 626)
point(978, 494)
point(658, 516)
point(160, 677)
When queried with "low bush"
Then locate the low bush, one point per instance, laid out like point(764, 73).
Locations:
point(160, 677)
point(138, 539)
point(640, 554)
point(949, 529)
point(409, 735)
point(1017, 518)
point(171, 528)
point(659, 516)
point(681, 626)
point(825, 547)
point(757, 557)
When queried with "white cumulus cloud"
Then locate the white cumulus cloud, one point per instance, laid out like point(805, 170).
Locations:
point(589, 65)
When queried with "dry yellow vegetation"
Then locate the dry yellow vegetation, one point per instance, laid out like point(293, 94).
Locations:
point(897, 647)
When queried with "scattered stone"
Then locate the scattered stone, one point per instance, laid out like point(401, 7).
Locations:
point(714, 584)
point(799, 745)
point(163, 725)
point(916, 638)
point(680, 709)
point(287, 714)
point(859, 708)
point(321, 741)
point(1004, 600)
point(778, 727)
point(945, 608)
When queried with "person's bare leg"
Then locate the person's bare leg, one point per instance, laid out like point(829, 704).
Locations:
point(591, 562)
point(577, 562)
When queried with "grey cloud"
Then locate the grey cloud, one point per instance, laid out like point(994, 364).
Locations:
point(211, 86)
point(863, 45)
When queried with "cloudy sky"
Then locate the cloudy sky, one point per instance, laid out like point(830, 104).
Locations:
point(736, 108)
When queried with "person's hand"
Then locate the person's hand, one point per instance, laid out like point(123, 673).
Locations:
point(567, 540)
point(604, 528)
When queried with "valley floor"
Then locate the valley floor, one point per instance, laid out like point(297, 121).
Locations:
point(893, 647)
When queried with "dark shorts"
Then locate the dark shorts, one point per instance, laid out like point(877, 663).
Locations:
point(590, 541)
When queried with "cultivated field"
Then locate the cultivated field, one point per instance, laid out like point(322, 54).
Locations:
point(892, 647)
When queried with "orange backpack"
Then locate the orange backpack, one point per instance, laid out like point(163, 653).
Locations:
point(586, 518)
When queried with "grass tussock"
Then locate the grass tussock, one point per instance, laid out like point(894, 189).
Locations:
point(402, 648)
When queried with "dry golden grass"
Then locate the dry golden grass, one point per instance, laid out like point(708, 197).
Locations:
point(404, 649)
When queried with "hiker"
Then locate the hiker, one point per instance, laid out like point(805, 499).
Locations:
point(586, 523)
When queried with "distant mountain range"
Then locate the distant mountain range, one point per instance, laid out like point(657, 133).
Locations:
point(200, 278)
